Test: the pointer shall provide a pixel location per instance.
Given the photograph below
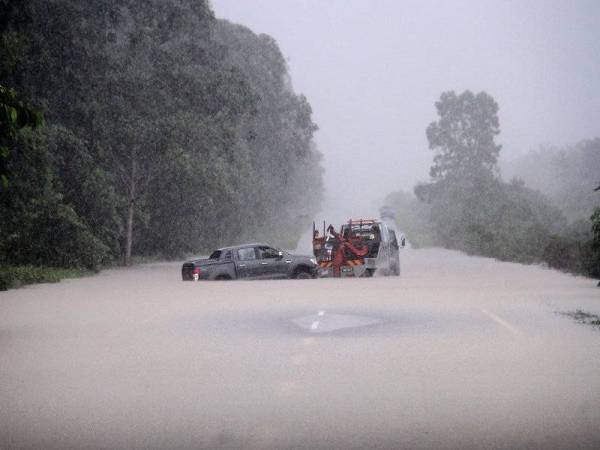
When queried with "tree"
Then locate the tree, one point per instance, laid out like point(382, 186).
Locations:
point(278, 137)
point(463, 136)
point(191, 123)
point(471, 208)
point(58, 209)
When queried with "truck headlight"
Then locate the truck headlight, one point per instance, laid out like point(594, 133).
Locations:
point(314, 261)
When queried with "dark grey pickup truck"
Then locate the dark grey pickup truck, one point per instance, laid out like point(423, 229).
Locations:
point(249, 261)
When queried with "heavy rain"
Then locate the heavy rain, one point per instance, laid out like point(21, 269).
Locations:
point(423, 178)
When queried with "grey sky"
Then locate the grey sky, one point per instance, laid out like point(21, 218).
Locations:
point(372, 71)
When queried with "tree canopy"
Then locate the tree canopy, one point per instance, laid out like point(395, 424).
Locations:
point(168, 132)
point(463, 136)
point(467, 206)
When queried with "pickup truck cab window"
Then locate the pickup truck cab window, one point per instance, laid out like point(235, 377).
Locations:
point(227, 256)
point(267, 253)
point(215, 255)
point(246, 254)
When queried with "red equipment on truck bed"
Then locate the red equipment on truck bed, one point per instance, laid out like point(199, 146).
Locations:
point(361, 247)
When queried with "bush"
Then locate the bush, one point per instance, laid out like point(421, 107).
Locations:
point(47, 219)
point(569, 255)
point(485, 216)
point(12, 277)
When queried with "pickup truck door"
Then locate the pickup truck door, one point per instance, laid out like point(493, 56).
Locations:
point(273, 265)
point(247, 263)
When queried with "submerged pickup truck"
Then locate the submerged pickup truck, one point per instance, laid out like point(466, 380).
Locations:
point(249, 261)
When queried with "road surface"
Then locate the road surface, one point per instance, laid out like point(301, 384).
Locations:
point(458, 352)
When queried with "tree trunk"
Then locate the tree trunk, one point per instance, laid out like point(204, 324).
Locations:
point(129, 235)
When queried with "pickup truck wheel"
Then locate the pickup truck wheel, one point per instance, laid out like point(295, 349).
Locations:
point(302, 275)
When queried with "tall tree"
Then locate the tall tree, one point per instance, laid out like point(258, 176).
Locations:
point(194, 126)
point(471, 208)
point(463, 136)
point(278, 136)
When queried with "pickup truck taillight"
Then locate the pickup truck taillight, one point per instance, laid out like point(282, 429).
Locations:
point(196, 273)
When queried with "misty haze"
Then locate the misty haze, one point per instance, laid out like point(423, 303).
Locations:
point(295, 224)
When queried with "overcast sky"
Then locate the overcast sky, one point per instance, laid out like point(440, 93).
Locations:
point(372, 71)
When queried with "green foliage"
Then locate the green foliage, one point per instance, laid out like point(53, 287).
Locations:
point(487, 217)
point(41, 223)
point(572, 251)
point(463, 136)
point(85, 187)
point(596, 228)
point(14, 115)
point(12, 277)
point(170, 133)
point(284, 177)
point(470, 208)
point(584, 317)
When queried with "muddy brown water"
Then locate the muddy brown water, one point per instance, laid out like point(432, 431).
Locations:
point(458, 352)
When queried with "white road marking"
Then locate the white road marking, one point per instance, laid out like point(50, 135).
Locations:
point(501, 322)
point(315, 324)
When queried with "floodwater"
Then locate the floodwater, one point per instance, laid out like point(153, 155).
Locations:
point(458, 352)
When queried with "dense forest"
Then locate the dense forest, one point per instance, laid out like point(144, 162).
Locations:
point(547, 213)
point(166, 132)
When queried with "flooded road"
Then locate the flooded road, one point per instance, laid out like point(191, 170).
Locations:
point(458, 352)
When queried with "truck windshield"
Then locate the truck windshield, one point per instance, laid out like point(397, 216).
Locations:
point(368, 231)
point(215, 255)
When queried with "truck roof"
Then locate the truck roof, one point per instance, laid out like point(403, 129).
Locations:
point(253, 244)
point(363, 221)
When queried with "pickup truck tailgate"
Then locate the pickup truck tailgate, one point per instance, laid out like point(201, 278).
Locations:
point(187, 272)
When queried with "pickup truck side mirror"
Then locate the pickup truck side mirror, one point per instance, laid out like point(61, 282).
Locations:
point(279, 254)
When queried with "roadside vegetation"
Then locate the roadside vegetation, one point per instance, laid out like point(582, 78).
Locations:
point(15, 277)
point(166, 132)
point(584, 318)
point(547, 213)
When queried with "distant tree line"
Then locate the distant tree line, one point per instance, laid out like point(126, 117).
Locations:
point(467, 206)
point(567, 175)
point(167, 132)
